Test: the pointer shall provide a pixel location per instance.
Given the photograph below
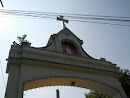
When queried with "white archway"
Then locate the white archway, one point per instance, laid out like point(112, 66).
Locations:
point(31, 67)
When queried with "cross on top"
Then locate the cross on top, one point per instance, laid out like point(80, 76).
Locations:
point(60, 18)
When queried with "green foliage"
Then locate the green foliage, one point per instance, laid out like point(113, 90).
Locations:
point(94, 94)
point(124, 78)
point(21, 40)
point(15, 43)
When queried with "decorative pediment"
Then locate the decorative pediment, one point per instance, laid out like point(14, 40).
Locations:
point(66, 42)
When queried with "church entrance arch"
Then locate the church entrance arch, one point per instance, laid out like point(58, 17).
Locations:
point(31, 67)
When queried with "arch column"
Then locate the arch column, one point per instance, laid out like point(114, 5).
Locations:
point(13, 89)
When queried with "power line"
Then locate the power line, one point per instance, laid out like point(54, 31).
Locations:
point(79, 16)
point(72, 17)
point(100, 22)
point(49, 15)
point(100, 18)
point(53, 13)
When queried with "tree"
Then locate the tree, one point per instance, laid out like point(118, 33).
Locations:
point(22, 41)
point(124, 78)
point(94, 94)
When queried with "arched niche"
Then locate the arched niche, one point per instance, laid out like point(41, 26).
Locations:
point(69, 47)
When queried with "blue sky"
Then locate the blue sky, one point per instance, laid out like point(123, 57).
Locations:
point(109, 41)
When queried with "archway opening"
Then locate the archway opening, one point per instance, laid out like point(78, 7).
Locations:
point(50, 92)
point(70, 81)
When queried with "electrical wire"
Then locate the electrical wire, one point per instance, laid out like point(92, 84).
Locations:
point(56, 14)
point(40, 15)
point(71, 17)
point(53, 13)
point(100, 22)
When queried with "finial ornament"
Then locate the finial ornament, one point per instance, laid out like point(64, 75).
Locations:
point(60, 18)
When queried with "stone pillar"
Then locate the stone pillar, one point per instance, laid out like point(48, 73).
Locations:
point(12, 90)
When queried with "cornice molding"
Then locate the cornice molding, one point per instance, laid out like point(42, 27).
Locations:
point(30, 53)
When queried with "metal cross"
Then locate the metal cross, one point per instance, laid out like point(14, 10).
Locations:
point(60, 18)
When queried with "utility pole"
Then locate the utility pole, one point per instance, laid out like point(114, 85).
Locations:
point(57, 94)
